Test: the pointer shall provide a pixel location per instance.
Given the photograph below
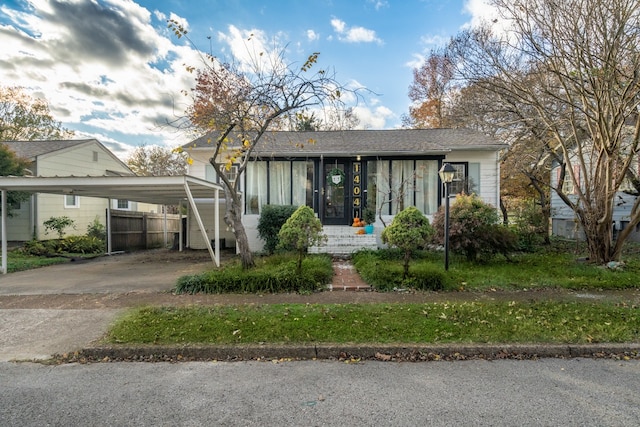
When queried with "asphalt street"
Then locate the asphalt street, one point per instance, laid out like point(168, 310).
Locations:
point(545, 392)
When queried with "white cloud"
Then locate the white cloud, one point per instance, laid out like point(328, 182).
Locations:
point(353, 34)
point(252, 48)
point(338, 25)
point(416, 61)
point(373, 118)
point(127, 83)
point(481, 12)
point(379, 4)
point(312, 35)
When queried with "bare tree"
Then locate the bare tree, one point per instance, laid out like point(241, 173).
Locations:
point(572, 67)
point(156, 161)
point(237, 102)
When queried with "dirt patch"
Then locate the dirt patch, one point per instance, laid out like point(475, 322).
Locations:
point(138, 299)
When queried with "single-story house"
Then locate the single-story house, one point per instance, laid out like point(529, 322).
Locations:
point(58, 158)
point(339, 173)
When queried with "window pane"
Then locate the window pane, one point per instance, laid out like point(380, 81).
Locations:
point(427, 186)
point(459, 184)
point(70, 201)
point(378, 190)
point(256, 191)
point(302, 184)
point(123, 204)
point(280, 183)
point(402, 181)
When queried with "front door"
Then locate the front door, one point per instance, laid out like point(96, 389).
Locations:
point(343, 191)
point(336, 190)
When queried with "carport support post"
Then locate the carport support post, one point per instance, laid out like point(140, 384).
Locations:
point(4, 231)
point(109, 227)
point(180, 231)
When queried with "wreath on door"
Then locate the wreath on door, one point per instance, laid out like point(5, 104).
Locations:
point(335, 177)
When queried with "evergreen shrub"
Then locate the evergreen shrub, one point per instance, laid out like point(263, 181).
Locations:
point(383, 269)
point(275, 274)
point(272, 218)
point(474, 230)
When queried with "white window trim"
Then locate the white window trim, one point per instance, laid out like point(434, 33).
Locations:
point(76, 205)
point(116, 202)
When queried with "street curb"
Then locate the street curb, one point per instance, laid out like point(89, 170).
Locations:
point(346, 351)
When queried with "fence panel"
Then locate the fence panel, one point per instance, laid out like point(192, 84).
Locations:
point(141, 230)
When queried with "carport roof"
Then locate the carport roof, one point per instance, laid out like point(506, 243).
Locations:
point(166, 190)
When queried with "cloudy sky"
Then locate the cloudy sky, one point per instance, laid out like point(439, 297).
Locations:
point(112, 70)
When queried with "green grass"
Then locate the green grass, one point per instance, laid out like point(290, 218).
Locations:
point(546, 269)
point(466, 322)
point(17, 261)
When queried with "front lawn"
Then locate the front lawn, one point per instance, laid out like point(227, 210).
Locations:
point(461, 322)
point(18, 261)
point(551, 268)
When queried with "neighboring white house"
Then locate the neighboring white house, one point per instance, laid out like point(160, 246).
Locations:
point(339, 173)
point(58, 158)
point(564, 222)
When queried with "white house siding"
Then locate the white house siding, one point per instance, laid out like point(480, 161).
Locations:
point(484, 170)
point(90, 159)
point(207, 215)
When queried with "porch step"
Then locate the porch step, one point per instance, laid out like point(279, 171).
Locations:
point(343, 240)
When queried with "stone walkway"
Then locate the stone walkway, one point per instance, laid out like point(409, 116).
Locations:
point(346, 278)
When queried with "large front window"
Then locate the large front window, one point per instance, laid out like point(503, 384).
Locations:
point(279, 182)
point(393, 185)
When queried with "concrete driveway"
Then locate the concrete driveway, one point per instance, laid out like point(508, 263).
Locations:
point(31, 334)
point(144, 271)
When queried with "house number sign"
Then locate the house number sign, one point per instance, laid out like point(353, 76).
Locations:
point(357, 189)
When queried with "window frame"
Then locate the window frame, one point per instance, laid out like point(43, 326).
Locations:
point(74, 205)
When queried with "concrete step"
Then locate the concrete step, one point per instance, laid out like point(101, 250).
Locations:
point(343, 240)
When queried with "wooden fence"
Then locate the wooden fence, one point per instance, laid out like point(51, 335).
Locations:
point(142, 230)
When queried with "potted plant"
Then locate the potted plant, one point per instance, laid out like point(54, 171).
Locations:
point(369, 216)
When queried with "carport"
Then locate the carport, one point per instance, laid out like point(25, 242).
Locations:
point(162, 190)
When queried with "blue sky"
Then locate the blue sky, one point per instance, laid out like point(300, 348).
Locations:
point(112, 70)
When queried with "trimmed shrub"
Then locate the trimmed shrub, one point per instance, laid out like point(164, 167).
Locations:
point(272, 275)
point(409, 230)
point(383, 269)
point(474, 230)
point(299, 232)
point(272, 218)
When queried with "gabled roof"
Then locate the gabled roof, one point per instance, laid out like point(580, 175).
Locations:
point(365, 142)
point(32, 149)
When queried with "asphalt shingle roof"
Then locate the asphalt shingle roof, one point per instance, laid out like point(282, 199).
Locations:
point(365, 142)
point(32, 149)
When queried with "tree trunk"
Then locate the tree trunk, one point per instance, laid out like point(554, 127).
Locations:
point(505, 214)
point(299, 263)
point(599, 236)
point(407, 258)
point(233, 218)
